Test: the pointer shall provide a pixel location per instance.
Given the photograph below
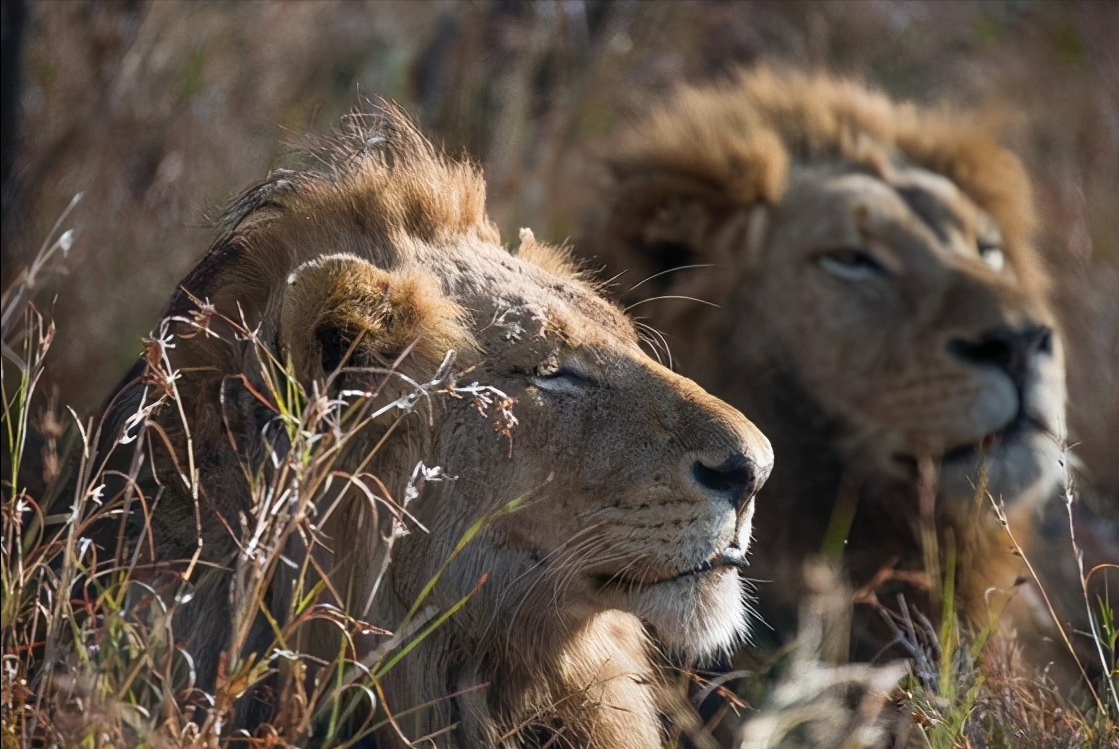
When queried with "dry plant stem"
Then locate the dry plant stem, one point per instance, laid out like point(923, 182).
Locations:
point(17, 411)
point(1000, 513)
point(139, 671)
point(1097, 635)
point(25, 544)
point(930, 547)
point(29, 277)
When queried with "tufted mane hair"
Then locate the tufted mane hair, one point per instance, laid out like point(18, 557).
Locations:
point(381, 173)
point(375, 189)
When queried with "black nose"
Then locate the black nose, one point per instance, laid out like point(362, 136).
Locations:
point(1010, 349)
point(737, 478)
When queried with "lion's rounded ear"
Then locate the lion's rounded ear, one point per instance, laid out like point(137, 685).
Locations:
point(341, 311)
point(659, 221)
point(652, 223)
point(682, 190)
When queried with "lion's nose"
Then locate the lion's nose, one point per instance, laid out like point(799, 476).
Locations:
point(736, 479)
point(1011, 349)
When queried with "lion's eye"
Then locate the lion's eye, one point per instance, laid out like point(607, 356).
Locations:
point(561, 380)
point(852, 265)
point(992, 256)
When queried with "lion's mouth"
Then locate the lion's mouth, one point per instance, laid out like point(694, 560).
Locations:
point(731, 557)
point(1021, 427)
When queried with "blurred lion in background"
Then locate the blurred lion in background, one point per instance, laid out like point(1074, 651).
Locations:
point(858, 275)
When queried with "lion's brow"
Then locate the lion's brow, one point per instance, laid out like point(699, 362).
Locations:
point(932, 211)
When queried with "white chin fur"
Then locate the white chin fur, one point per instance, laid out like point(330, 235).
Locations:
point(696, 618)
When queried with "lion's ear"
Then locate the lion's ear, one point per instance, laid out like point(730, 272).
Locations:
point(683, 190)
point(653, 223)
point(340, 311)
point(660, 220)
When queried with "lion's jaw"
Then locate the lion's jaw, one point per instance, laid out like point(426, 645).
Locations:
point(697, 604)
point(1021, 460)
point(661, 535)
point(696, 617)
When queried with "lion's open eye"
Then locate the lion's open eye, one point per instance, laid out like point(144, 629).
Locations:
point(564, 379)
point(851, 265)
point(992, 256)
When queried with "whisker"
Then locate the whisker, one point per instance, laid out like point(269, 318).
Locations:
point(610, 281)
point(570, 568)
point(559, 591)
point(568, 553)
point(671, 296)
point(672, 270)
point(655, 339)
point(618, 576)
point(508, 587)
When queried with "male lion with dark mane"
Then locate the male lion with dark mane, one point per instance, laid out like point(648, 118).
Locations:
point(873, 301)
point(637, 487)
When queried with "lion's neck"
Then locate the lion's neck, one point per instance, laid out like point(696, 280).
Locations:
point(542, 669)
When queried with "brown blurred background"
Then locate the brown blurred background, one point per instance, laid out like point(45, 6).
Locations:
point(158, 111)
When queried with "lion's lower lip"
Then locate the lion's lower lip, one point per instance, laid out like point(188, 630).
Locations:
point(731, 557)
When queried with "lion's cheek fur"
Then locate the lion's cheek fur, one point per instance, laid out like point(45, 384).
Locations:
point(521, 648)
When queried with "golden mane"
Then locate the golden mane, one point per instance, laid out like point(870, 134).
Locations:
point(740, 138)
point(382, 174)
point(376, 189)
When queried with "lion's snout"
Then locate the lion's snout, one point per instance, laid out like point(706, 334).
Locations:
point(1013, 350)
point(731, 461)
point(1021, 364)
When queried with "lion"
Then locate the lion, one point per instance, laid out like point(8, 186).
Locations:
point(857, 275)
point(636, 487)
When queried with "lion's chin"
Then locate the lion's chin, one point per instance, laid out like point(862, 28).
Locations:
point(696, 618)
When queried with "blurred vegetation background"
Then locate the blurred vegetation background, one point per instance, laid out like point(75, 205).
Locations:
point(158, 111)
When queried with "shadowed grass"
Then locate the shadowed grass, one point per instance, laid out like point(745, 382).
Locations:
point(90, 655)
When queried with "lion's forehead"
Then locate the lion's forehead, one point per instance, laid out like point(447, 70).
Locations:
point(854, 205)
point(511, 300)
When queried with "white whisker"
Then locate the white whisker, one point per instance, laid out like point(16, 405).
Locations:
point(671, 296)
point(671, 270)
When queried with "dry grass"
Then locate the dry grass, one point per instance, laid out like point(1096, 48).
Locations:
point(91, 656)
point(144, 107)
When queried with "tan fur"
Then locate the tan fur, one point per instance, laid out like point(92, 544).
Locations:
point(382, 257)
point(864, 375)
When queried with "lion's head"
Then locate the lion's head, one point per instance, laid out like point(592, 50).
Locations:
point(866, 290)
point(636, 486)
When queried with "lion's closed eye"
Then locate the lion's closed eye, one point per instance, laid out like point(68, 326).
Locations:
point(852, 264)
point(562, 379)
